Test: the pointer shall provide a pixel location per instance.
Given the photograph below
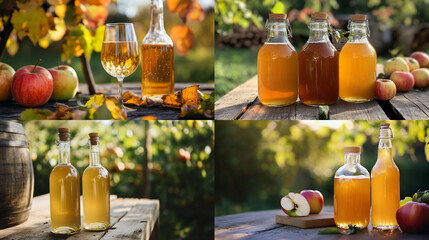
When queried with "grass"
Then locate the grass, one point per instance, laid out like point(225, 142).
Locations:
point(233, 67)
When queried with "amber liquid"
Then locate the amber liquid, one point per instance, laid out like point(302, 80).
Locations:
point(96, 198)
point(352, 201)
point(358, 66)
point(277, 74)
point(120, 59)
point(318, 74)
point(385, 195)
point(157, 69)
point(64, 189)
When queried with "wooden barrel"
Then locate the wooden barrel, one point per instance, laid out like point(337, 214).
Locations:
point(16, 175)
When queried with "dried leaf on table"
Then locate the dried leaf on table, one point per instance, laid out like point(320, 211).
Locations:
point(172, 100)
point(132, 98)
point(191, 95)
point(35, 114)
point(115, 110)
point(97, 100)
point(150, 117)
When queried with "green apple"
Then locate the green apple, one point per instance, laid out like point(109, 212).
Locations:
point(395, 64)
point(6, 75)
point(65, 82)
point(295, 205)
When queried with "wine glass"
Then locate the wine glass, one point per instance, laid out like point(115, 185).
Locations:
point(120, 53)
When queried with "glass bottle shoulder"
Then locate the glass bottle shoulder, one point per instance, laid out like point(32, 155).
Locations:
point(324, 49)
point(98, 170)
point(278, 49)
point(352, 171)
point(157, 37)
point(64, 170)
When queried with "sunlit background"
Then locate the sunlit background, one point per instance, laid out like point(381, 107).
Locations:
point(258, 162)
point(181, 170)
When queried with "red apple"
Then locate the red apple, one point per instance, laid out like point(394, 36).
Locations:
point(413, 217)
point(65, 83)
point(412, 63)
point(422, 58)
point(314, 199)
point(6, 75)
point(395, 64)
point(32, 86)
point(421, 77)
point(385, 89)
point(404, 81)
point(295, 205)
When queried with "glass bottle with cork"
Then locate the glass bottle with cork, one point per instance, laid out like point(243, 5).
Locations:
point(318, 65)
point(358, 63)
point(64, 189)
point(278, 65)
point(95, 190)
point(352, 191)
point(157, 56)
point(385, 194)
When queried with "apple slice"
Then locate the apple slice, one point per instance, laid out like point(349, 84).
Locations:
point(295, 205)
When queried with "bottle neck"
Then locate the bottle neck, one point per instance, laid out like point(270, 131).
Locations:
point(318, 31)
point(277, 32)
point(352, 158)
point(359, 32)
point(157, 16)
point(94, 155)
point(64, 152)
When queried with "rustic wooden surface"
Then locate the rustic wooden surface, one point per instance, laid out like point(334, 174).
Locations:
point(242, 103)
point(10, 110)
point(130, 218)
point(261, 225)
point(322, 219)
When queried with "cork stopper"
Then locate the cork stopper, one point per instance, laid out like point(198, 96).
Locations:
point(64, 134)
point(319, 16)
point(277, 16)
point(93, 138)
point(351, 149)
point(358, 17)
point(385, 125)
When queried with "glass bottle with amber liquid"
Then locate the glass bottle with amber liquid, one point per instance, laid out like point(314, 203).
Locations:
point(352, 191)
point(157, 56)
point(95, 190)
point(385, 195)
point(64, 189)
point(318, 65)
point(277, 65)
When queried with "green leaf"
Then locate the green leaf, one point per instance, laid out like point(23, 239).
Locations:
point(405, 200)
point(97, 99)
point(330, 231)
point(35, 114)
point(278, 8)
point(323, 112)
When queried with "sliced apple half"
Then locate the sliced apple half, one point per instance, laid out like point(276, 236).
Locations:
point(295, 205)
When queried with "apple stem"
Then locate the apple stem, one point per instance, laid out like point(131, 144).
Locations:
point(35, 66)
point(58, 65)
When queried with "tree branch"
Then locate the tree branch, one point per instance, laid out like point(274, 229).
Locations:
point(4, 35)
point(88, 74)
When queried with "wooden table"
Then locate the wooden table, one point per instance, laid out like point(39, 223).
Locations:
point(131, 218)
point(10, 110)
point(261, 225)
point(243, 103)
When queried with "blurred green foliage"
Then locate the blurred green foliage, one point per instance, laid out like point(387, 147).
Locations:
point(184, 187)
point(258, 162)
point(197, 66)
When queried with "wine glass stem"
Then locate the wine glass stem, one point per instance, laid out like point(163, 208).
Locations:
point(120, 81)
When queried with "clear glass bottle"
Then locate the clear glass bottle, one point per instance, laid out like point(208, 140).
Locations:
point(358, 63)
point(64, 189)
point(95, 190)
point(318, 65)
point(157, 56)
point(277, 65)
point(352, 191)
point(385, 195)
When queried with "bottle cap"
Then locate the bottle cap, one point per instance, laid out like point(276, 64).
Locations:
point(319, 16)
point(352, 149)
point(385, 125)
point(64, 134)
point(277, 16)
point(358, 17)
point(93, 138)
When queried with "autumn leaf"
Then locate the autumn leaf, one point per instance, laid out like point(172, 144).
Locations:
point(150, 117)
point(132, 98)
point(183, 39)
point(12, 44)
point(98, 38)
point(116, 111)
point(96, 2)
point(195, 12)
point(94, 15)
point(77, 42)
point(172, 100)
point(190, 95)
point(177, 6)
point(96, 100)
point(35, 114)
point(60, 29)
point(58, 2)
point(30, 20)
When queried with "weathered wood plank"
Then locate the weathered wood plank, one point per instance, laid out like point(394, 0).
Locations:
point(260, 225)
point(356, 111)
point(413, 105)
point(296, 111)
point(234, 103)
point(140, 210)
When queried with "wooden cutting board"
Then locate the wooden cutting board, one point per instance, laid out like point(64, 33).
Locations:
point(322, 219)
